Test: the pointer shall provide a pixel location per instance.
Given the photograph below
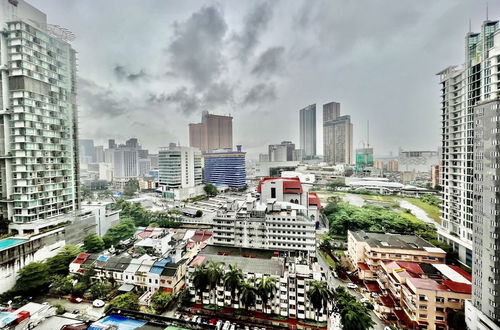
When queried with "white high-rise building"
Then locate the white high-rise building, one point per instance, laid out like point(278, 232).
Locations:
point(180, 172)
point(126, 162)
point(38, 120)
point(470, 169)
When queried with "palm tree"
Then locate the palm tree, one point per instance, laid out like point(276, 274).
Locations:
point(319, 295)
point(200, 280)
point(356, 317)
point(215, 273)
point(266, 289)
point(233, 279)
point(248, 294)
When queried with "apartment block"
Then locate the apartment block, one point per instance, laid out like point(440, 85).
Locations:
point(292, 281)
point(213, 133)
point(337, 135)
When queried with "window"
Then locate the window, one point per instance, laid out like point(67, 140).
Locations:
point(439, 299)
point(273, 192)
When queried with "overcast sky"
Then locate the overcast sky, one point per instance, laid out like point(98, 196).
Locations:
point(148, 68)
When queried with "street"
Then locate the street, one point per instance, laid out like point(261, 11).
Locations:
point(334, 282)
point(85, 309)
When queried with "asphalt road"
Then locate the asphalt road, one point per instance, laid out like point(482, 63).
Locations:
point(334, 282)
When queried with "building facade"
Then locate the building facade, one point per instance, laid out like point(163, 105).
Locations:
point(468, 169)
point(214, 132)
point(417, 161)
point(39, 165)
point(126, 162)
point(337, 135)
point(180, 172)
point(225, 168)
point(307, 124)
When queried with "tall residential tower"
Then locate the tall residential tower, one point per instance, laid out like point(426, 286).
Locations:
point(337, 135)
point(38, 120)
point(470, 169)
point(213, 133)
point(308, 131)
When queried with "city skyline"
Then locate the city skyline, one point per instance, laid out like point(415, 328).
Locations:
point(250, 58)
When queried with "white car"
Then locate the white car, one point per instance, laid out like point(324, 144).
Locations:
point(364, 300)
point(98, 303)
point(351, 286)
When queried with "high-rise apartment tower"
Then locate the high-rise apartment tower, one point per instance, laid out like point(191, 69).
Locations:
point(213, 133)
point(337, 135)
point(38, 120)
point(308, 130)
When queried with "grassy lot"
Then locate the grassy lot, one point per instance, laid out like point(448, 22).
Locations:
point(432, 211)
point(328, 259)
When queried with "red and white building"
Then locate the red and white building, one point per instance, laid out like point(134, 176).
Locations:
point(283, 217)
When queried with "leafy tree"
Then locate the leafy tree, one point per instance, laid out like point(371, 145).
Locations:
point(59, 309)
point(92, 243)
point(266, 289)
point(199, 213)
point(33, 279)
point(233, 279)
point(335, 184)
point(354, 314)
point(135, 211)
point(61, 285)
point(200, 280)
point(248, 294)
point(127, 300)
point(106, 194)
point(80, 288)
point(86, 193)
point(160, 301)
point(431, 200)
point(185, 298)
point(210, 190)
point(59, 264)
point(131, 187)
point(100, 290)
point(319, 295)
point(122, 231)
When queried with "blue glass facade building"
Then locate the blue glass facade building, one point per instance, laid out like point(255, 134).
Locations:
point(225, 168)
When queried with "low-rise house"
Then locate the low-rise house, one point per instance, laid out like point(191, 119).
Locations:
point(368, 250)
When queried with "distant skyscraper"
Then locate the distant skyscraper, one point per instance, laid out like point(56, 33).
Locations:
point(126, 163)
point(337, 135)
point(87, 149)
point(308, 131)
point(39, 167)
point(213, 133)
point(111, 144)
point(470, 162)
point(282, 152)
point(225, 168)
point(132, 143)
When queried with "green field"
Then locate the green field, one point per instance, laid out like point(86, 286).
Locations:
point(432, 211)
point(328, 259)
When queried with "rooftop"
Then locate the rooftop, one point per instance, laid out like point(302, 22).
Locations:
point(249, 260)
point(394, 241)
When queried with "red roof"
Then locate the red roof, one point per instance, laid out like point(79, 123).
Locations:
point(197, 261)
point(461, 272)
point(363, 266)
point(458, 287)
point(411, 267)
point(401, 315)
point(373, 287)
point(314, 200)
point(427, 284)
point(201, 236)
point(81, 258)
point(290, 185)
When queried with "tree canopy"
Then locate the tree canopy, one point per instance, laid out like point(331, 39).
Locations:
point(122, 231)
point(92, 243)
point(131, 187)
point(160, 301)
point(127, 300)
point(33, 279)
point(210, 190)
point(59, 263)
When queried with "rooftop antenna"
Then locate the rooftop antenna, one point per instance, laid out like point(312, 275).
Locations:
point(368, 133)
point(487, 10)
point(470, 26)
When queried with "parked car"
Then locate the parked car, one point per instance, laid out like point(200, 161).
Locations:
point(351, 286)
point(98, 303)
point(226, 326)
point(76, 300)
point(364, 300)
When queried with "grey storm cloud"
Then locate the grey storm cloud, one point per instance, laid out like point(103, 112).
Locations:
point(196, 49)
point(255, 23)
point(270, 61)
point(260, 94)
point(182, 99)
point(101, 101)
point(218, 94)
point(122, 73)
